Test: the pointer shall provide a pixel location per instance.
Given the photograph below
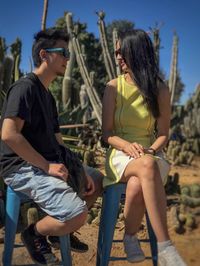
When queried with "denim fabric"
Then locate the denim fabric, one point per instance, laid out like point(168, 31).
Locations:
point(53, 195)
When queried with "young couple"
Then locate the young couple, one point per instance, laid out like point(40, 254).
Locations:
point(132, 105)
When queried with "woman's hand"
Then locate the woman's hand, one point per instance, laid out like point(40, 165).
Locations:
point(134, 150)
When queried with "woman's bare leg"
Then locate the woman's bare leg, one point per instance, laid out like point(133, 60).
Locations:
point(134, 206)
point(146, 169)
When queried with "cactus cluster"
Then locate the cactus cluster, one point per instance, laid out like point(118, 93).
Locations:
point(172, 185)
point(8, 63)
point(95, 213)
point(182, 219)
point(184, 141)
point(190, 195)
point(183, 216)
point(179, 153)
point(91, 91)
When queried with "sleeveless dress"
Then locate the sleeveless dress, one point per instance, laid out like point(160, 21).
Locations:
point(132, 122)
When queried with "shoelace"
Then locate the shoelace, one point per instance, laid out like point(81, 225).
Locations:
point(42, 245)
point(51, 259)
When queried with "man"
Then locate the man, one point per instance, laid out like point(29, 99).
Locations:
point(28, 160)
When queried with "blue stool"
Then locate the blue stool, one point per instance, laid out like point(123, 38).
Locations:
point(109, 213)
point(12, 213)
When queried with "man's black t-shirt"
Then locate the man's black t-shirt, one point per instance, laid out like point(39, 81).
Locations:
point(23, 101)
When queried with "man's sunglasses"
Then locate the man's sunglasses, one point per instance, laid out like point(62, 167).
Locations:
point(64, 52)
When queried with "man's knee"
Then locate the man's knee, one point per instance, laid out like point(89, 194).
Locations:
point(75, 223)
point(81, 218)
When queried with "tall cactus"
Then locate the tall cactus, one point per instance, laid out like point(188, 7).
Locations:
point(15, 49)
point(104, 44)
point(6, 68)
point(44, 15)
point(156, 40)
point(115, 39)
point(173, 69)
point(17, 72)
point(67, 80)
point(94, 98)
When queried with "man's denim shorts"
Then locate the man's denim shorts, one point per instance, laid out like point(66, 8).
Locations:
point(53, 195)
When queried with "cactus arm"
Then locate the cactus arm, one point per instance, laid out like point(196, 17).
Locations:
point(84, 72)
point(115, 38)
point(173, 69)
point(104, 44)
point(44, 15)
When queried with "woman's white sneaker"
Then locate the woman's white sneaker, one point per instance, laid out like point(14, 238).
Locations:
point(132, 249)
point(170, 257)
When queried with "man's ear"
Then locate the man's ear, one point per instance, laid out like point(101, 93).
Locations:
point(42, 54)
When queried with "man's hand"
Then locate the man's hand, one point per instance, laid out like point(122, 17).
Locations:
point(90, 187)
point(58, 170)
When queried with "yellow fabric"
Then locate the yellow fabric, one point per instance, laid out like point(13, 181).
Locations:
point(133, 122)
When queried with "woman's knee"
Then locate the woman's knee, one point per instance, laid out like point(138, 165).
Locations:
point(149, 168)
point(134, 190)
point(148, 162)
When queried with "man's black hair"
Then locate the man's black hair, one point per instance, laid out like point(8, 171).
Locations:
point(47, 39)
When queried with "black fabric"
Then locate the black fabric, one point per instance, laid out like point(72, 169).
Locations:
point(22, 101)
point(77, 177)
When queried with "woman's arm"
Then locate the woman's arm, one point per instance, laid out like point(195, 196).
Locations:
point(163, 121)
point(109, 101)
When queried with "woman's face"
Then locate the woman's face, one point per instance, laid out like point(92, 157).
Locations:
point(120, 59)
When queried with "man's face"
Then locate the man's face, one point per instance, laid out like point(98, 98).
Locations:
point(58, 56)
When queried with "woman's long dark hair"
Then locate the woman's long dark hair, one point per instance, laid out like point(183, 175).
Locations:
point(138, 52)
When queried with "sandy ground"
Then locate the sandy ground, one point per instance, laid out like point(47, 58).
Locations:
point(188, 244)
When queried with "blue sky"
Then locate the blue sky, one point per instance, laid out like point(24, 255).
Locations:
point(24, 20)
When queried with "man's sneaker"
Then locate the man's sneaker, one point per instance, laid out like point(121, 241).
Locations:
point(38, 248)
point(132, 249)
point(170, 257)
point(75, 243)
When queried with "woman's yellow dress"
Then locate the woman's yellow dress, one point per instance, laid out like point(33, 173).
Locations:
point(134, 123)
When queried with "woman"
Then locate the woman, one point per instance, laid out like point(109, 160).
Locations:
point(135, 106)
